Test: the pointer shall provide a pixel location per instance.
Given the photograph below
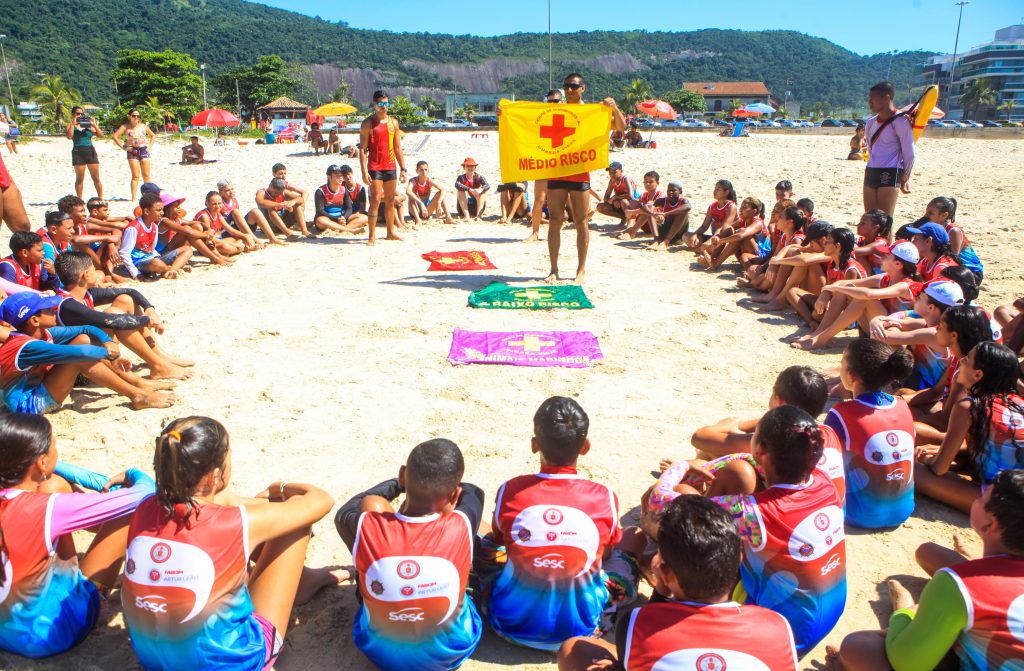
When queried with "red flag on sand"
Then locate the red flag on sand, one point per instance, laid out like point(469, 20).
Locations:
point(458, 261)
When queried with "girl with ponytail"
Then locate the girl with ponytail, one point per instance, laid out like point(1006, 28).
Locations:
point(197, 532)
point(750, 239)
point(877, 432)
point(49, 599)
point(836, 258)
point(991, 421)
point(874, 232)
point(942, 211)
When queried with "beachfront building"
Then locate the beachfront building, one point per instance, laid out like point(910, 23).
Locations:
point(486, 104)
point(1000, 63)
point(717, 95)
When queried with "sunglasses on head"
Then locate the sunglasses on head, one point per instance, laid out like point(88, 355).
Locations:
point(384, 104)
point(574, 86)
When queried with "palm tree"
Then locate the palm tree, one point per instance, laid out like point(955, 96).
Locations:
point(977, 94)
point(153, 112)
point(55, 99)
point(636, 92)
point(430, 106)
point(1007, 107)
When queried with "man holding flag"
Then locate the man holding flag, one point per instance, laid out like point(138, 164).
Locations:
point(561, 145)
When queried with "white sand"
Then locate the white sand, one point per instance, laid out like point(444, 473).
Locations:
point(327, 361)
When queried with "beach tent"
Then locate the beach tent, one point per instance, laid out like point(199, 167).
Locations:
point(287, 116)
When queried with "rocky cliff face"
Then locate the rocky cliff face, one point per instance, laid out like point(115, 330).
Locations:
point(364, 81)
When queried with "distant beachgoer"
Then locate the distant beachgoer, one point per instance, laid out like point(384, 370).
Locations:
point(80, 130)
point(193, 153)
point(380, 154)
point(857, 144)
point(11, 133)
point(135, 137)
point(889, 138)
point(316, 139)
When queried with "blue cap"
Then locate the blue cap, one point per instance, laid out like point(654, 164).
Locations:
point(17, 308)
point(931, 230)
point(149, 187)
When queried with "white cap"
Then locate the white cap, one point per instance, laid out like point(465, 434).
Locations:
point(947, 293)
point(905, 251)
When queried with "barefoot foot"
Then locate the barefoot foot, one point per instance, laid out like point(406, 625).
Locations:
point(155, 399)
point(315, 579)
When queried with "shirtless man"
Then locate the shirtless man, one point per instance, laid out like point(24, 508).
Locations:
point(193, 153)
point(380, 154)
point(573, 189)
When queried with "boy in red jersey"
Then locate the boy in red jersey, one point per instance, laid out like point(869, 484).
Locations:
point(380, 154)
point(699, 626)
point(557, 528)
point(414, 562)
point(27, 265)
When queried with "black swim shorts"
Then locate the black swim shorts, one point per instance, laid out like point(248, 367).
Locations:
point(84, 155)
point(383, 175)
point(876, 178)
point(514, 187)
point(568, 186)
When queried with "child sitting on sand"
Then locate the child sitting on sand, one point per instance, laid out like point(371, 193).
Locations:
point(279, 208)
point(357, 194)
point(749, 240)
point(42, 578)
point(471, 189)
point(942, 211)
point(138, 244)
point(990, 419)
point(787, 239)
point(244, 222)
point(640, 218)
point(814, 269)
point(620, 195)
point(514, 201)
point(877, 433)
point(230, 240)
point(332, 205)
point(873, 233)
point(423, 205)
point(56, 235)
point(932, 242)
point(175, 232)
point(557, 528)
point(27, 264)
point(719, 218)
point(671, 218)
point(699, 556)
point(428, 543)
point(969, 606)
point(95, 237)
point(783, 199)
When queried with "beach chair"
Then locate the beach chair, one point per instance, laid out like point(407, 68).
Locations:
point(418, 148)
point(740, 130)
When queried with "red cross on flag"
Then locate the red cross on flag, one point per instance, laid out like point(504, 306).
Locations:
point(545, 141)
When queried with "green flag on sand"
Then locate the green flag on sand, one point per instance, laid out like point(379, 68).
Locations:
point(501, 296)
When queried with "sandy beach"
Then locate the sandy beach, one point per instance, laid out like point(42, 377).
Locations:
point(327, 359)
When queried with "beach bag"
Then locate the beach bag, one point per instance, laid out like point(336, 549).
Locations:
point(764, 246)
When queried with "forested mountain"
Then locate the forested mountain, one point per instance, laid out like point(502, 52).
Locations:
point(78, 39)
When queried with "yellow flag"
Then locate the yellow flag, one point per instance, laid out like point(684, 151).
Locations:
point(546, 141)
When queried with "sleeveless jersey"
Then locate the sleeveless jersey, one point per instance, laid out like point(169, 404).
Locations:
point(382, 144)
point(29, 279)
point(48, 241)
point(87, 301)
point(648, 197)
point(794, 555)
point(422, 191)
point(413, 573)
point(683, 635)
point(184, 590)
point(877, 431)
point(46, 604)
point(229, 206)
point(836, 274)
point(334, 203)
point(874, 259)
point(15, 381)
point(215, 224)
point(993, 589)
point(718, 214)
point(555, 527)
point(624, 187)
point(473, 182)
point(893, 305)
point(358, 196)
point(931, 273)
point(1004, 449)
point(145, 238)
point(831, 462)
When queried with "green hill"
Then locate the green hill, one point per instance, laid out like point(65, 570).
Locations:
point(78, 41)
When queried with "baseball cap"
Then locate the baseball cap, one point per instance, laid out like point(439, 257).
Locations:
point(904, 251)
point(54, 217)
point(816, 230)
point(947, 293)
point(167, 199)
point(469, 161)
point(17, 308)
point(614, 165)
point(931, 230)
point(149, 187)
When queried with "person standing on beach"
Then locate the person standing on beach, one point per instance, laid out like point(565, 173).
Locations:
point(80, 130)
point(380, 153)
point(574, 189)
point(890, 143)
point(540, 186)
point(137, 139)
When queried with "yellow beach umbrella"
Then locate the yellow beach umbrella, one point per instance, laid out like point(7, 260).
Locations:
point(334, 109)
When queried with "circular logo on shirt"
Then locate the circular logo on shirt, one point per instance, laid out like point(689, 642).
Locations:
point(524, 534)
point(711, 662)
point(407, 590)
point(877, 455)
point(553, 516)
point(806, 550)
point(129, 566)
point(154, 575)
point(892, 439)
point(408, 569)
point(377, 587)
point(821, 521)
point(160, 553)
point(552, 536)
point(896, 455)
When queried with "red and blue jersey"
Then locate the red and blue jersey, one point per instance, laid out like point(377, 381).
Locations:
point(184, 590)
point(794, 554)
point(877, 433)
point(683, 635)
point(16, 380)
point(930, 365)
point(30, 278)
point(831, 462)
point(413, 573)
point(1004, 449)
point(993, 589)
point(556, 527)
point(145, 238)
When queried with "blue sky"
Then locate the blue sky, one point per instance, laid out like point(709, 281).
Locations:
point(864, 27)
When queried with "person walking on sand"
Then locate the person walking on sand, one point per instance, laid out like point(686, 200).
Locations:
point(890, 143)
point(380, 153)
point(574, 189)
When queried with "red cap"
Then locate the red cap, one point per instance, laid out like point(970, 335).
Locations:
point(469, 161)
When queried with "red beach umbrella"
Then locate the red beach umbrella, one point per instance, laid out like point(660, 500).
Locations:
point(215, 118)
point(658, 109)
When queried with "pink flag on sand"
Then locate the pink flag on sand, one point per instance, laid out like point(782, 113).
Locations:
point(569, 349)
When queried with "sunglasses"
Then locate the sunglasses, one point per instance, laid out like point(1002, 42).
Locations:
point(382, 104)
point(574, 86)
point(134, 116)
point(552, 100)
